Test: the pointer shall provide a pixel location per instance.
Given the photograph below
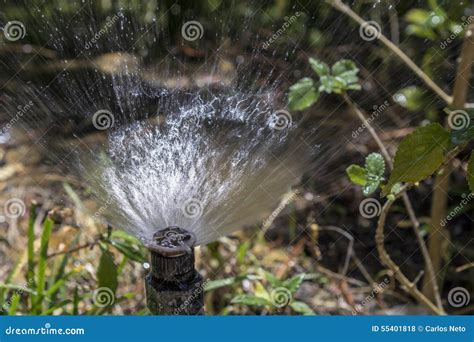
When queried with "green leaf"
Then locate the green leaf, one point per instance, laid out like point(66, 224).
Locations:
point(419, 155)
point(120, 234)
point(470, 172)
point(47, 228)
point(107, 272)
point(302, 308)
point(30, 246)
point(326, 84)
point(75, 302)
point(248, 299)
point(261, 292)
point(272, 280)
point(216, 284)
point(411, 98)
point(132, 252)
point(370, 187)
point(302, 94)
point(375, 165)
point(396, 188)
point(357, 174)
point(354, 86)
point(344, 68)
point(242, 252)
point(320, 68)
point(294, 283)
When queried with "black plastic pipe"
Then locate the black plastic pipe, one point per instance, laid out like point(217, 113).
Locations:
point(173, 287)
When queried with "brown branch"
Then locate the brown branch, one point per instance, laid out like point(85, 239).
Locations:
point(430, 270)
point(340, 6)
point(385, 257)
point(439, 235)
point(75, 249)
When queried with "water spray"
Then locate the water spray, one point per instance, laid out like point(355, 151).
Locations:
point(173, 287)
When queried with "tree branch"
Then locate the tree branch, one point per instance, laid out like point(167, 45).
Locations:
point(340, 6)
point(385, 257)
point(430, 273)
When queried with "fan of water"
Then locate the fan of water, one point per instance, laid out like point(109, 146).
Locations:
point(210, 159)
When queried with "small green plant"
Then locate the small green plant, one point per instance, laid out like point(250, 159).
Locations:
point(267, 292)
point(50, 277)
point(341, 77)
point(419, 155)
point(370, 175)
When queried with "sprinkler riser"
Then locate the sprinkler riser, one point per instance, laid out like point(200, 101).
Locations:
point(173, 287)
point(165, 298)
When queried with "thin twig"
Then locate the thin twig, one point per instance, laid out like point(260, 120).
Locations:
point(406, 201)
point(465, 267)
point(340, 6)
point(75, 249)
point(385, 257)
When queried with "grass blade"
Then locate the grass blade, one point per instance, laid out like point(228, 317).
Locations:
point(47, 228)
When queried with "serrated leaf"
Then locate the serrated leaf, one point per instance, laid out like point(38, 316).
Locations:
point(470, 172)
point(107, 272)
point(357, 174)
point(419, 155)
point(375, 165)
point(302, 94)
point(248, 299)
point(302, 308)
point(320, 68)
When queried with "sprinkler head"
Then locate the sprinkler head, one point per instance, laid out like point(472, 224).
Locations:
point(173, 241)
point(173, 287)
point(172, 254)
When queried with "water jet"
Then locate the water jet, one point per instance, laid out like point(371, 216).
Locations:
point(173, 287)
